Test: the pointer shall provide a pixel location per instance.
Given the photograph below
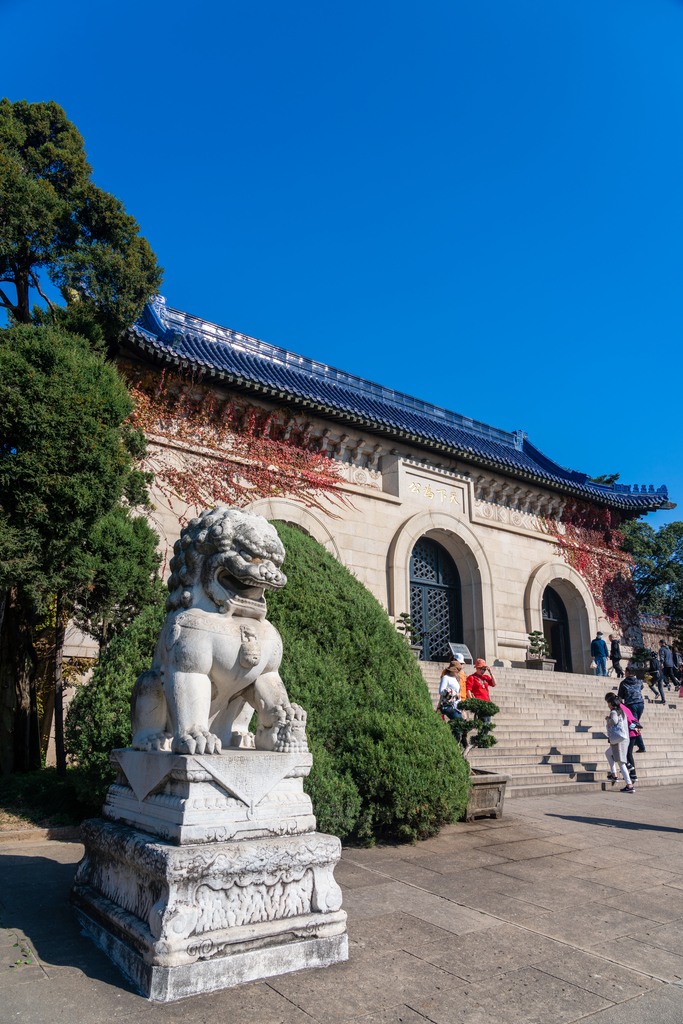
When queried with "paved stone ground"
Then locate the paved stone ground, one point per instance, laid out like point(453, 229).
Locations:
point(566, 909)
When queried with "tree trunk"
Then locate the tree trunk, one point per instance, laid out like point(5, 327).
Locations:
point(8, 697)
point(59, 686)
point(23, 308)
point(19, 731)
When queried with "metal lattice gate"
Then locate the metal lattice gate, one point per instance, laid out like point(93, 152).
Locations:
point(435, 599)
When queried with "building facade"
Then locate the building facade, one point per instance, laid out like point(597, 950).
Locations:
point(453, 521)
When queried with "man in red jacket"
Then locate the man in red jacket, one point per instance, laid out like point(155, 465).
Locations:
point(478, 683)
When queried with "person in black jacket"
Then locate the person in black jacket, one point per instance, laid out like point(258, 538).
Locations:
point(615, 655)
point(667, 660)
point(631, 694)
point(656, 671)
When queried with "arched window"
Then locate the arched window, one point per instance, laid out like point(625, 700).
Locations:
point(556, 629)
point(435, 601)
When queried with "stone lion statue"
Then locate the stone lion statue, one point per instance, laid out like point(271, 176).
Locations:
point(217, 659)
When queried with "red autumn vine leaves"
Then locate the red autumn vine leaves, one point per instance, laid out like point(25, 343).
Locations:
point(591, 544)
point(208, 450)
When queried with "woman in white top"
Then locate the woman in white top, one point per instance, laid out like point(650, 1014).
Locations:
point(617, 733)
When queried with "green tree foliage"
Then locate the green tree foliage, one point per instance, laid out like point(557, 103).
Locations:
point(120, 574)
point(606, 478)
point(483, 711)
point(384, 764)
point(658, 565)
point(53, 217)
point(390, 759)
point(63, 457)
point(66, 461)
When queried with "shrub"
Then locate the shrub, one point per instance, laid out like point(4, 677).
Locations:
point(462, 727)
point(391, 759)
point(99, 714)
point(384, 764)
point(43, 797)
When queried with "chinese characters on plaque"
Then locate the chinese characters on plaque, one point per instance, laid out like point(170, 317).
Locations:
point(440, 495)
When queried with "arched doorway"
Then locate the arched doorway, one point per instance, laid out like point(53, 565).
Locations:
point(556, 629)
point(435, 599)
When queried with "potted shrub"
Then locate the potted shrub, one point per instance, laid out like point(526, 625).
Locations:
point(487, 789)
point(538, 653)
point(407, 630)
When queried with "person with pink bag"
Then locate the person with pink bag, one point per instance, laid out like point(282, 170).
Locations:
point(618, 736)
point(634, 728)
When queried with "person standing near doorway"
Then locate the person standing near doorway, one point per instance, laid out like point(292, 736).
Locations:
point(450, 691)
point(615, 655)
point(599, 654)
point(478, 683)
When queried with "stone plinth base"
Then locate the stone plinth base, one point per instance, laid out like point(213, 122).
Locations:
point(208, 798)
point(181, 920)
point(165, 984)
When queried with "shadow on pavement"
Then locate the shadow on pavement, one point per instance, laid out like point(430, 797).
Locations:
point(635, 826)
point(35, 894)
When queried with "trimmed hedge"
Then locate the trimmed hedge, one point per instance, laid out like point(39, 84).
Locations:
point(384, 763)
point(392, 767)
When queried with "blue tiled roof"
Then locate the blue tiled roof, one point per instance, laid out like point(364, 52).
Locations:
point(184, 340)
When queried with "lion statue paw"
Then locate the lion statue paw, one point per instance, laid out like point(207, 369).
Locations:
point(287, 734)
point(150, 740)
point(196, 741)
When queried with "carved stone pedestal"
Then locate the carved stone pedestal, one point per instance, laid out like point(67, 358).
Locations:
point(206, 798)
point(182, 912)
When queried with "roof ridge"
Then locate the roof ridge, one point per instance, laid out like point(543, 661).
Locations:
point(327, 372)
point(185, 339)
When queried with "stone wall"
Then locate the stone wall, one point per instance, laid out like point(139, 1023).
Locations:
point(493, 527)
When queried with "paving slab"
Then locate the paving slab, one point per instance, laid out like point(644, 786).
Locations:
point(632, 952)
point(344, 991)
point(566, 909)
point(662, 1005)
point(476, 957)
point(668, 936)
point(377, 935)
point(596, 974)
point(659, 903)
point(586, 927)
point(558, 894)
point(539, 998)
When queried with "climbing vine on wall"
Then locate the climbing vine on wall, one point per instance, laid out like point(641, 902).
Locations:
point(207, 449)
point(589, 540)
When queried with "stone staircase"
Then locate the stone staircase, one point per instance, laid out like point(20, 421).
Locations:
point(551, 736)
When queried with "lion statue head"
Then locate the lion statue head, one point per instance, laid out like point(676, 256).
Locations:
point(231, 553)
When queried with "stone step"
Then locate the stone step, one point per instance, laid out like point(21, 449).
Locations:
point(490, 758)
point(559, 788)
point(585, 772)
point(551, 733)
point(586, 756)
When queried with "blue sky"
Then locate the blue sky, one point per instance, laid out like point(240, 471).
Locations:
point(479, 203)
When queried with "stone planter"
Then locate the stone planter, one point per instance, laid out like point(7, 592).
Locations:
point(417, 650)
point(487, 794)
point(542, 664)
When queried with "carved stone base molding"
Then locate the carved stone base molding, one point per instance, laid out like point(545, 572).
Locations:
point(182, 920)
point(207, 798)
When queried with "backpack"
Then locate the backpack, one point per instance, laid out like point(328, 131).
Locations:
point(617, 733)
point(447, 700)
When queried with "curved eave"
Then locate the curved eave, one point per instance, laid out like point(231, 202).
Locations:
point(148, 345)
